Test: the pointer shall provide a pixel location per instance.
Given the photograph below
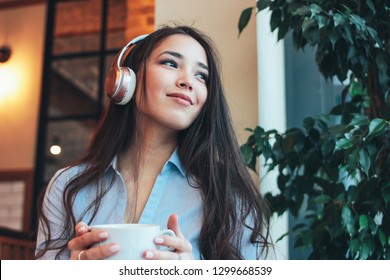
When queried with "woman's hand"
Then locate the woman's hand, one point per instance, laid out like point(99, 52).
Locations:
point(80, 246)
point(182, 247)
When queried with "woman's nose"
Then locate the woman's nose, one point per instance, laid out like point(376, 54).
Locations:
point(186, 85)
point(185, 81)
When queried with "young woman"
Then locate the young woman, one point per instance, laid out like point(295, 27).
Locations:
point(168, 154)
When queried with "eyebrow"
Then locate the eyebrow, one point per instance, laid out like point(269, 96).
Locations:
point(180, 56)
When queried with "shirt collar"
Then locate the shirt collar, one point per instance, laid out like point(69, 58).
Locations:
point(174, 159)
point(114, 163)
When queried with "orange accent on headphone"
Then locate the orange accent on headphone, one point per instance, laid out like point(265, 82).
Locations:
point(120, 82)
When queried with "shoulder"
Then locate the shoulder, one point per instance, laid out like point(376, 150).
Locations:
point(63, 176)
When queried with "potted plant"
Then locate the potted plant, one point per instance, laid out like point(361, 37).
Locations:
point(335, 169)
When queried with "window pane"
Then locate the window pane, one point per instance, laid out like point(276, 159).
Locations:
point(72, 137)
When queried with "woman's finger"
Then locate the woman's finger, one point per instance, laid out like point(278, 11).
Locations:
point(166, 255)
point(173, 224)
point(95, 253)
point(183, 248)
point(87, 239)
point(179, 244)
point(81, 228)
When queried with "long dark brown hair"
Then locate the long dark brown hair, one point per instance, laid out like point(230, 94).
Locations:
point(208, 149)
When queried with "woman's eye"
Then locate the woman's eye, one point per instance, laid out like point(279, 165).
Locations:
point(170, 63)
point(203, 76)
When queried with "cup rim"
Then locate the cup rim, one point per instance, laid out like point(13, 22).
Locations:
point(125, 226)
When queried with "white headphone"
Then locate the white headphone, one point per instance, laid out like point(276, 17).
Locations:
point(121, 81)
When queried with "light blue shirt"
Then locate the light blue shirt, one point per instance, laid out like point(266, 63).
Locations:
point(171, 194)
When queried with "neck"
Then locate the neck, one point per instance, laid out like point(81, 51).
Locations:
point(151, 148)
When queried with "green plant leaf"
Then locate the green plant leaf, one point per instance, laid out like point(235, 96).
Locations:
point(283, 29)
point(347, 220)
point(322, 199)
point(338, 19)
point(258, 132)
point(336, 231)
point(337, 110)
point(351, 56)
point(378, 219)
point(354, 246)
point(338, 130)
point(371, 6)
point(321, 21)
point(356, 88)
point(363, 222)
point(248, 156)
point(297, 227)
point(307, 238)
point(327, 147)
point(282, 181)
point(262, 4)
point(244, 19)
point(276, 19)
point(308, 123)
point(307, 24)
point(358, 22)
point(385, 191)
point(352, 194)
point(282, 236)
point(251, 140)
point(302, 11)
point(382, 237)
point(365, 161)
point(359, 120)
point(294, 138)
point(367, 247)
point(377, 127)
point(374, 35)
point(322, 124)
point(352, 162)
point(383, 68)
point(347, 34)
point(343, 144)
point(314, 135)
point(387, 255)
point(315, 9)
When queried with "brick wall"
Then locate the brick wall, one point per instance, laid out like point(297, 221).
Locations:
point(140, 19)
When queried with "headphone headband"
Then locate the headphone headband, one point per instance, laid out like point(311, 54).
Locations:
point(131, 43)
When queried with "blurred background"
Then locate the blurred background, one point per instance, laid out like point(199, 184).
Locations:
point(51, 88)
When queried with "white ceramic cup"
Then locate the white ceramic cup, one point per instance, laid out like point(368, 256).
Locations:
point(133, 239)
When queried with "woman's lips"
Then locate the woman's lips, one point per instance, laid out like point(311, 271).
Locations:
point(181, 98)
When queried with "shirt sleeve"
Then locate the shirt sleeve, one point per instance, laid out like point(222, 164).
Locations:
point(54, 210)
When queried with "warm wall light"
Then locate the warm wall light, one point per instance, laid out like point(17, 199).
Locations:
point(5, 53)
point(55, 148)
point(8, 82)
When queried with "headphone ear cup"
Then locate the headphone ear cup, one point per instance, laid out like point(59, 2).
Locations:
point(128, 85)
point(120, 85)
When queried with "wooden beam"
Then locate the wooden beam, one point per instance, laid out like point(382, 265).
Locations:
point(19, 3)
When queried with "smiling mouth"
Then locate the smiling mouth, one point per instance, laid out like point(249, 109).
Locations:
point(181, 96)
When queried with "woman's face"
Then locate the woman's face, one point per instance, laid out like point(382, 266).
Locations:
point(176, 77)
